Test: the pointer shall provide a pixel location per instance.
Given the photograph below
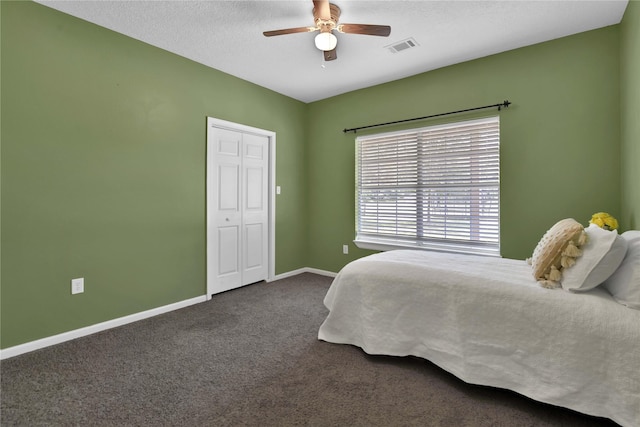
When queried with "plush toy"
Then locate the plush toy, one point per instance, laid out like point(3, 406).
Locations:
point(604, 220)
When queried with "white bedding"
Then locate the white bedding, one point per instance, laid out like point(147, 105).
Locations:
point(488, 322)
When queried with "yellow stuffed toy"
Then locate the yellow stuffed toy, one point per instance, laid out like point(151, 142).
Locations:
point(604, 220)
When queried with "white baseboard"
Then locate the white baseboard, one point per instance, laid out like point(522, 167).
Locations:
point(99, 327)
point(320, 272)
point(303, 270)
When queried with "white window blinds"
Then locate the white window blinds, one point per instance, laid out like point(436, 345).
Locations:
point(436, 187)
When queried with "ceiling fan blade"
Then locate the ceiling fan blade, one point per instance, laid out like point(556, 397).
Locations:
point(366, 29)
point(330, 55)
point(322, 10)
point(289, 31)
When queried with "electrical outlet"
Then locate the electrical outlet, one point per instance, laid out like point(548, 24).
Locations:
point(77, 286)
point(345, 249)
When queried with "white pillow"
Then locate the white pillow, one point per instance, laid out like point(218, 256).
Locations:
point(624, 284)
point(601, 257)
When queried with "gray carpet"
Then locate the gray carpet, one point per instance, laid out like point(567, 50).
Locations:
point(248, 357)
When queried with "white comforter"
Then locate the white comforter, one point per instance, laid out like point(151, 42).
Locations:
point(488, 322)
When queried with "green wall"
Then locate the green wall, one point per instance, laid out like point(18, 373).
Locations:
point(630, 114)
point(103, 171)
point(559, 140)
point(103, 158)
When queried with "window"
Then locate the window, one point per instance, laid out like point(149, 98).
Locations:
point(436, 187)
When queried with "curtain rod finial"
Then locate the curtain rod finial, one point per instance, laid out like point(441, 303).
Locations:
point(504, 104)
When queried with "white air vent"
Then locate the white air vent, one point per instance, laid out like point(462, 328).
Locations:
point(402, 45)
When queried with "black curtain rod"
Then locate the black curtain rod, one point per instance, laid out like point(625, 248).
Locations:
point(503, 104)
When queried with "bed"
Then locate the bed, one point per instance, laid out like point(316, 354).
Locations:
point(488, 322)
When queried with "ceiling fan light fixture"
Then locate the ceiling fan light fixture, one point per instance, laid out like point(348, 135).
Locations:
point(326, 41)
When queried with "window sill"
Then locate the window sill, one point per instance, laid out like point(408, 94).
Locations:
point(382, 245)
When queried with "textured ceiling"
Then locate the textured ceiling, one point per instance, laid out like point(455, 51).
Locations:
point(227, 35)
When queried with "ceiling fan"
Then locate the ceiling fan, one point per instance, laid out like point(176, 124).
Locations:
point(326, 17)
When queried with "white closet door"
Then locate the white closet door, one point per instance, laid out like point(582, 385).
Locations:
point(255, 212)
point(238, 189)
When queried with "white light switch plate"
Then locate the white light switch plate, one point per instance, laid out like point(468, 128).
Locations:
point(77, 286)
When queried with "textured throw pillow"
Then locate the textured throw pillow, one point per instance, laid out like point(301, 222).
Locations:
point(557, 249)
point(601, 256)
point(624, 284)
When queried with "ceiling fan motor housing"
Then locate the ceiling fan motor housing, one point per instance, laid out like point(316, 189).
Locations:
point(327, 25)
